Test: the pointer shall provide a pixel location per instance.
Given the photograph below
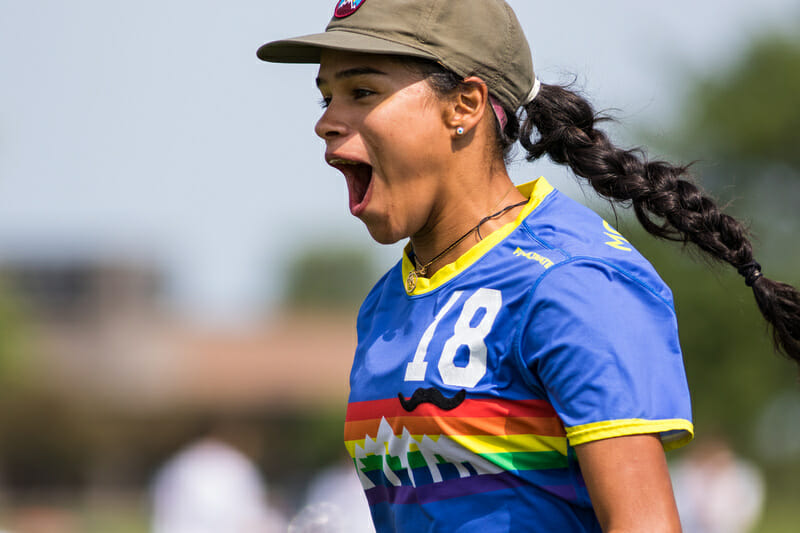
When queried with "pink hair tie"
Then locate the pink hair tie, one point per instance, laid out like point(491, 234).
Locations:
point(499, 112)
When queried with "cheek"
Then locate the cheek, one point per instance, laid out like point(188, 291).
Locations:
point(409, 138)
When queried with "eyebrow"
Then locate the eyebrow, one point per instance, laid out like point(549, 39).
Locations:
point(353, 72)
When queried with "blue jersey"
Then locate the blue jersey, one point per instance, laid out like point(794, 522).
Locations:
point(470, 391)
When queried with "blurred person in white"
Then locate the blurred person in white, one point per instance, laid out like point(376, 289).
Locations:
point(335, 503)
point(717, 491)
point(211, 487)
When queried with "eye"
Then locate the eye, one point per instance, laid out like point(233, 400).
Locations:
point(324, 102)
point(362, 93)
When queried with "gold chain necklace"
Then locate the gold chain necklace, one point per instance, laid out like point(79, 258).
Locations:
point(411, 280)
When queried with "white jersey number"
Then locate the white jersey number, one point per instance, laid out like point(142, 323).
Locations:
point(465, 334)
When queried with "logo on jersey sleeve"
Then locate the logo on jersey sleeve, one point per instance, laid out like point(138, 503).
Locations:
point(533, 256)
point(617, 240)
point(345, 8)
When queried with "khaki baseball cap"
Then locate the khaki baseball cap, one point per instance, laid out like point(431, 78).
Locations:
point(470, 37)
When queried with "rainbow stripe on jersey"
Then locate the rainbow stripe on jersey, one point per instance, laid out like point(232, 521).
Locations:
point(480, 446)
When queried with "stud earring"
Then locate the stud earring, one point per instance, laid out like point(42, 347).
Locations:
point(460, 130)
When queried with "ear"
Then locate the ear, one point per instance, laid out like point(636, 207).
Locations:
point(468, 104)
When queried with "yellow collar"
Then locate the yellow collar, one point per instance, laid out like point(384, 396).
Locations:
point(535, 191)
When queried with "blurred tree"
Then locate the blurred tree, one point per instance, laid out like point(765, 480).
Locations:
point(743, 125)
point(329, 276)
point(42, 440)
point(13, 341)
point(750, 114)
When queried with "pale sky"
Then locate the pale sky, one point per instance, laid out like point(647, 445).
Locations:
point(150, 130)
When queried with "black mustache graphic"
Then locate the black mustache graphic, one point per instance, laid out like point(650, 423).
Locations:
point(434, 396)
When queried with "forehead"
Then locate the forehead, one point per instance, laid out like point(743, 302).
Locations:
point(334, 64)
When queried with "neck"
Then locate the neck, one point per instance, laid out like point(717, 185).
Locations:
point(461, 210)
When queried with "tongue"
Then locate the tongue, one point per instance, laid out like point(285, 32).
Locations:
point(358, 181)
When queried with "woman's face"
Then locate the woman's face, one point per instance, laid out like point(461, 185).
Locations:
point(385, 130)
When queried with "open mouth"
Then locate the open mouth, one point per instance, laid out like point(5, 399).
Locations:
point(359, 179)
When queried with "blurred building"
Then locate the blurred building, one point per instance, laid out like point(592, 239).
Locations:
point(101, 328)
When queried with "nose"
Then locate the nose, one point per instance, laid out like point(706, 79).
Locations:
point(329, 125)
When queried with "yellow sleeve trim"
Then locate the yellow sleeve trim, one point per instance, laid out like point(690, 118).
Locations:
point(674, 432)
point(535, 191)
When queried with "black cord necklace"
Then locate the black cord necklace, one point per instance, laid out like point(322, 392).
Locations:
point(411, 280)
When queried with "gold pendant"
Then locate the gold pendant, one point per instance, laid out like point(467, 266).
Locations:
point(411, 281)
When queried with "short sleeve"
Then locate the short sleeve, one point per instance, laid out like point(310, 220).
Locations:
point(603, 345)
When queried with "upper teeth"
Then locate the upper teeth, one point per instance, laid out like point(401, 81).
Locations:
point(342, 162)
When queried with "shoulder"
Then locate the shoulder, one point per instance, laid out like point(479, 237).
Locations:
point(590, 247)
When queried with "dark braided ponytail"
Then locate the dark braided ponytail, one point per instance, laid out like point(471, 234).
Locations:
point(561, 124)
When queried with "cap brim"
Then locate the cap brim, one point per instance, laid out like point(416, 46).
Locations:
point(306, 49)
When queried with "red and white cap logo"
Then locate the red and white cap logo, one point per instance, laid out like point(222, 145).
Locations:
point(345, 8)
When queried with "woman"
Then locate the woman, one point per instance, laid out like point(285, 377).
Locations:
point(519, 369)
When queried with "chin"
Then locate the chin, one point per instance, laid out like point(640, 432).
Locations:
point(382, 234)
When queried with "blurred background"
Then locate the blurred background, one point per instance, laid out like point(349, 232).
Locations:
point(179, 272)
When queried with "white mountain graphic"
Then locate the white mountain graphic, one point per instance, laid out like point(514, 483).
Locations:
point(387, 444)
